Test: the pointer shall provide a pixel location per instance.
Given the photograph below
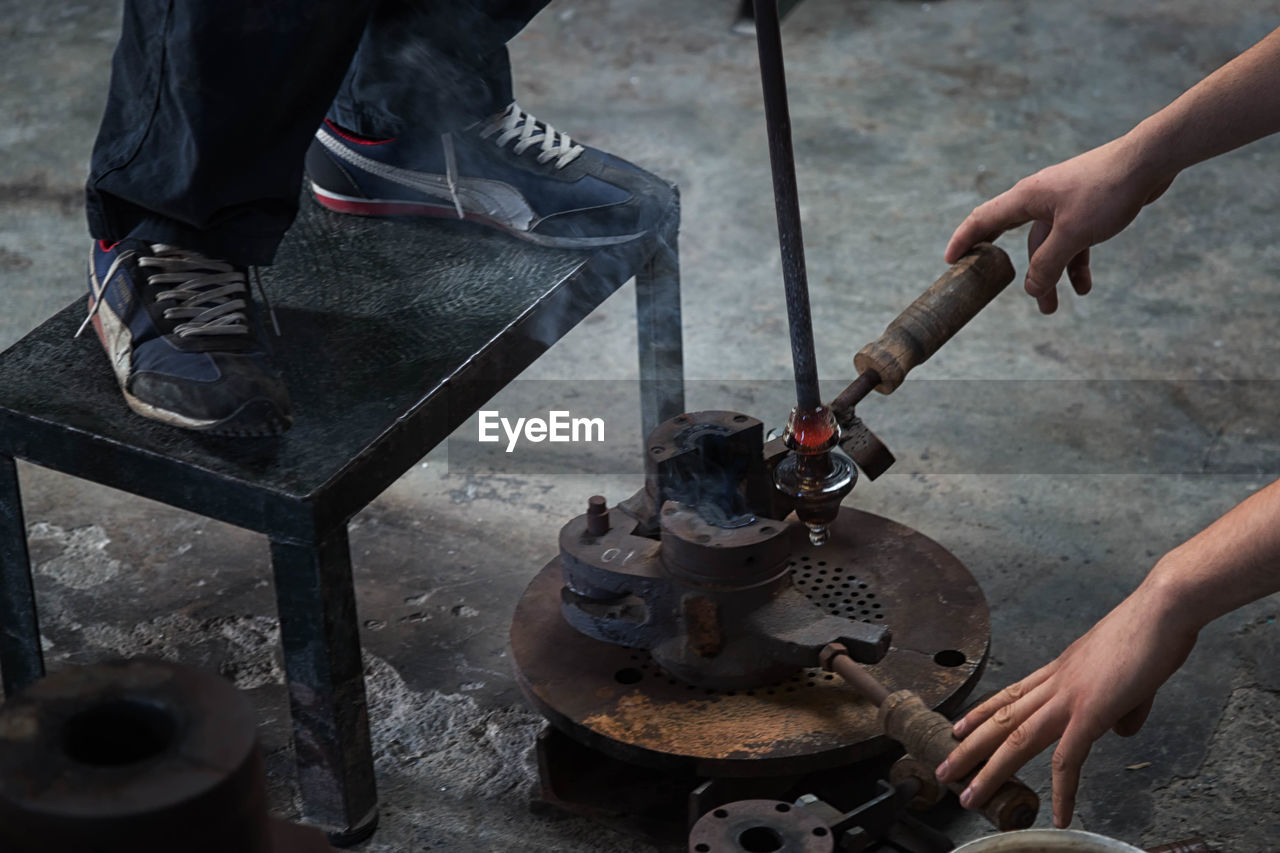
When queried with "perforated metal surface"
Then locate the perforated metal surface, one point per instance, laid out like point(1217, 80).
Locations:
point(835, 588)
point(619, 701)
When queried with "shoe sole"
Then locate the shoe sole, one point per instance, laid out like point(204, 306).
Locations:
point(256, 417)
point(397, 207)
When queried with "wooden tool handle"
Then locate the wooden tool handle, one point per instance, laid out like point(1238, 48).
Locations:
point(936, 315)
point(927, 737)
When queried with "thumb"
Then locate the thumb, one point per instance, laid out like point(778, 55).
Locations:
point(1130, 723)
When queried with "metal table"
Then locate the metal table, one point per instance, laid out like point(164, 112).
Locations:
point(394, 333)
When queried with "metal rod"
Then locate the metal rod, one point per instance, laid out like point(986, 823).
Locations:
point(843, 404)
point(839, 662)
point(786, 199)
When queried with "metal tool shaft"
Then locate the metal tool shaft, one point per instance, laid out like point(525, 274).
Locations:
point(786, 199)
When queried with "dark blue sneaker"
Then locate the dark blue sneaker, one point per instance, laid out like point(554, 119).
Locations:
point(184, 339)
point(511, 171)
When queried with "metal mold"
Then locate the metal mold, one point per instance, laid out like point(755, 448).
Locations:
point(137, 756)
point(625, 703)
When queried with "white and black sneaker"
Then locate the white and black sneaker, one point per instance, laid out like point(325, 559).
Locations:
point(510, 171)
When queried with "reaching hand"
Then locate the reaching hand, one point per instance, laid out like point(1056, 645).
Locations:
point(1076, 204)
point(1107, 679)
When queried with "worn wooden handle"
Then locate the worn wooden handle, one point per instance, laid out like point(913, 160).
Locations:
point(927, 736)
point(939, 313)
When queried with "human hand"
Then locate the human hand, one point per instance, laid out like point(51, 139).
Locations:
point(1074, 205)
point(1107, 679)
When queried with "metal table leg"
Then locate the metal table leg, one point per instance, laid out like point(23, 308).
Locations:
point(658, 330)
point(21, 660)
point(320, 635)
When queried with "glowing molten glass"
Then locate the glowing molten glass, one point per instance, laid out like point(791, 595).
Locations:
point(811, 430)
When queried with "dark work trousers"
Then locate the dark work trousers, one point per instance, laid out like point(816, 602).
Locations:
point(212, 104)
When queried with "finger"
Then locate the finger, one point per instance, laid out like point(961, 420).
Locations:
point(989, 737)
point(987, 222)
point(1012, 693)
point(1080, 274)
point(1048, 302)
point(1067, 760)
point(1049, 255)
point(1026, 741)
point(1130, 724)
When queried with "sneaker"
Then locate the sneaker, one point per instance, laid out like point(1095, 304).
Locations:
point(184, 339)
point(511, 171)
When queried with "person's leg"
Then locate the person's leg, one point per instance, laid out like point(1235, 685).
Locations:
point(436, 65)
point(210, 110)
point(425, 124)
point(195, 176)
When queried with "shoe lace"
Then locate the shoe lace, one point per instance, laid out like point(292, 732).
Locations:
point(209, 296)
point(515, 123)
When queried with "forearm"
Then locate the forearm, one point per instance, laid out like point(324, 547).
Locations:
point(1233, 106)
point(1230, 563)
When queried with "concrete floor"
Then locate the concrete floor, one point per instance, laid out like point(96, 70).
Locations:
point(1058, 496)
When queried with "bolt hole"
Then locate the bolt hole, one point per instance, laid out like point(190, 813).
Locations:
point(760, 839)
point(765, 531)
point(720, 813)
point(657, 448)
point(949, 657)
point(819, 831)
point(630, 675)
point(783, 807)
point(739, 419)
point(702, 848)
point(118, 732)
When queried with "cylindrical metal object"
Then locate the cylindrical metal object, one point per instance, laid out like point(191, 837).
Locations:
point(835, 658)
point(137, 756)
point(597, 515)
point(786, 199)
point(842, 406)
point(927, 736)
point(941, 311)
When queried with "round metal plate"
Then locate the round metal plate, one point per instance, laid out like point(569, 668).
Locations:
point(619, 701)
point(749, 825)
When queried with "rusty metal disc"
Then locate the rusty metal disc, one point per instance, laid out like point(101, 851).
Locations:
point(619, 701)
